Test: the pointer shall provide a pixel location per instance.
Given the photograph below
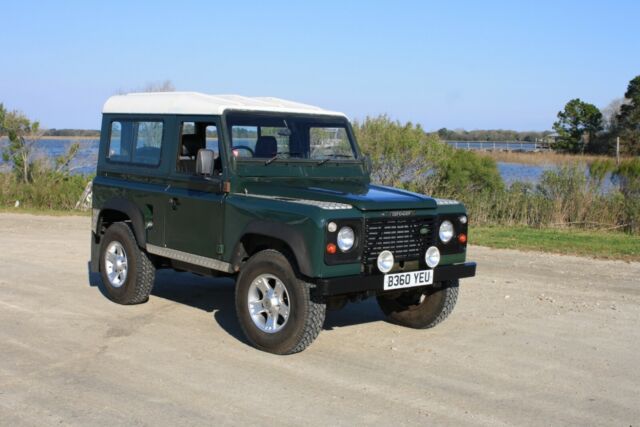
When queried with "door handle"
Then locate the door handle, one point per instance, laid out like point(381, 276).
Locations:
point(173, 202)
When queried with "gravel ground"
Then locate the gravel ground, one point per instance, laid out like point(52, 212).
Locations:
point(535, 339)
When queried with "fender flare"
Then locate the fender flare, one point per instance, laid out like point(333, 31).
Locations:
point(285, 233)
point(133, 212)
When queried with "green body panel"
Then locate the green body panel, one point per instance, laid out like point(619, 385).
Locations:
point(194, 220)
point(193, 215)
point(148, 197)
point(310, 221)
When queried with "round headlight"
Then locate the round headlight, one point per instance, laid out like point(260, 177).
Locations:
point(346, 238)
point(385, 261)
point(446, 231)
point(432, 257)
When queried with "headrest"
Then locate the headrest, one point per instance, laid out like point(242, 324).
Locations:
point(191, 143)
point(266, 146)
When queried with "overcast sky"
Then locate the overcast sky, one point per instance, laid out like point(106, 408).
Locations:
point(465, 64)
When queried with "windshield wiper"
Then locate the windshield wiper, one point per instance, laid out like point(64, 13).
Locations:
point(323, 161)
point(278, 156)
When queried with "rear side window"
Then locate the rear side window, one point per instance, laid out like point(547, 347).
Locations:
point(135, 142)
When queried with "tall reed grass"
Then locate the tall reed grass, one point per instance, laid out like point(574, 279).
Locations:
point(564, 197)
point(542, 157)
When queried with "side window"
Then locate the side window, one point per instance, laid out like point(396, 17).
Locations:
point(195, 136)
point(147, 137)
point(135, 142)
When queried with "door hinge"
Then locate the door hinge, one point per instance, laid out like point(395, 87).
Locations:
point(226, 187)
point(220, 249)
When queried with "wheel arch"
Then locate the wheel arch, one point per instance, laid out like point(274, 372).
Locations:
point(118, 209)
point(260, 235)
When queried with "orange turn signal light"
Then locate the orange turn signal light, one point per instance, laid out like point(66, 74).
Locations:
point(462, 238)
point(331, 249)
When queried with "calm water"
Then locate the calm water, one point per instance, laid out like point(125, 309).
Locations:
point(85, 161)
point(512, 172)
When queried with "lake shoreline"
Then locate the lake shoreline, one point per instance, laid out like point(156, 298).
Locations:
point(549, 158)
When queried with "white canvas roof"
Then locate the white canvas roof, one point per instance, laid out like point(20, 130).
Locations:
point(200, 103)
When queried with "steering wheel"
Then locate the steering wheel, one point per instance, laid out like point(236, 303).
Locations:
point(244, 147)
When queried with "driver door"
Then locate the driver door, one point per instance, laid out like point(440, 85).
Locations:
point(194, 208)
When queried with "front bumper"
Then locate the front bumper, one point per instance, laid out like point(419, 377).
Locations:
point(355, 284)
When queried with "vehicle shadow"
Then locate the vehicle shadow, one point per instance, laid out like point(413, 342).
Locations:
point(217, 296)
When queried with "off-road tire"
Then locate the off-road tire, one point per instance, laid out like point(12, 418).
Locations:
point(141, 271)
point(406, 310)
point(306, 316)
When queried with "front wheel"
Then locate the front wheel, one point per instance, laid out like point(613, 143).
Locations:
point(274, 307)
point(422, 308)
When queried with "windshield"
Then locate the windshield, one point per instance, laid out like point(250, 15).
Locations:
point(290, 137)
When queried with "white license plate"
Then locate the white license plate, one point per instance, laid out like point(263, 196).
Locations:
point(408, 280)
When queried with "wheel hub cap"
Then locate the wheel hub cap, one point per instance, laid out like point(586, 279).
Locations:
point(268, 302)
point(116, 264)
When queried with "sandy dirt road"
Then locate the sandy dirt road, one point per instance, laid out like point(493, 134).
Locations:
point(534, 340)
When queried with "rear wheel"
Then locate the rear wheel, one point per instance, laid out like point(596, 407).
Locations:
point(274, 307)
point(421, 308)
point(127, 272)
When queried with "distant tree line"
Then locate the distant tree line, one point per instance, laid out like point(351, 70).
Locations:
point(583, 128)
point(72, 133)
point(496, 135)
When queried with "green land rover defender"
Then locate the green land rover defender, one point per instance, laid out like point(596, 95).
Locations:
point(275, 194)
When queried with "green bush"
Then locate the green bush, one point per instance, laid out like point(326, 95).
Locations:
point(628, 177)
point(48, 190)
point(404, 155)
point(400, 154)
point(463, 172)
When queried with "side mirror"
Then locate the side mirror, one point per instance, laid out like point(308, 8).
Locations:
point(205, 162)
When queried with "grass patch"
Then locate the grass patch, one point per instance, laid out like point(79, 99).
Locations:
point(597, 244)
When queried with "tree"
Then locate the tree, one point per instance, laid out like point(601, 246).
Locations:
point(400, 153)
point(403, 155)
point(610, 114)
point(577, 124)
point(629, 118)
point(22, 134)
point(3, 113)
point(164, 86)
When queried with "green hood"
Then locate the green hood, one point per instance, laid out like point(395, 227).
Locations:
point(366, 197)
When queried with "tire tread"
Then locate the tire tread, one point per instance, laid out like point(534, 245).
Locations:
point(316, 310)
point(426, 315)
point(144, 273)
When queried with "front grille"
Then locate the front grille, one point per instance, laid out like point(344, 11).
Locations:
point(401, 236)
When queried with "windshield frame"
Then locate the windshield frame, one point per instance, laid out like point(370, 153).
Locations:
point(321, 119)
